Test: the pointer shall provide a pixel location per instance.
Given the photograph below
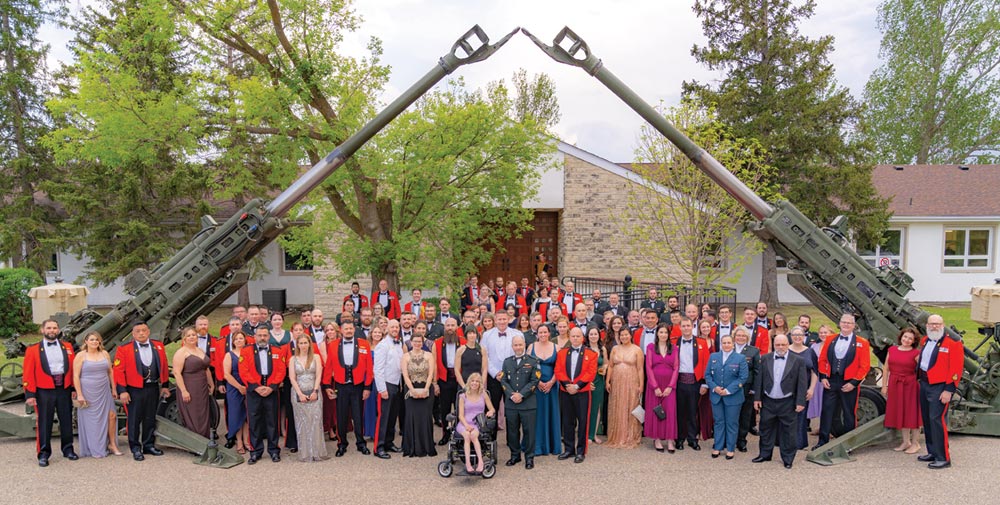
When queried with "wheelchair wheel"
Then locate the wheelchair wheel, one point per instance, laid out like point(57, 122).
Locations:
point(445, 469)
point(489, 470)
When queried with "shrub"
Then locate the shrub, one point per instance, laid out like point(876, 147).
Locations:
point(15, 306)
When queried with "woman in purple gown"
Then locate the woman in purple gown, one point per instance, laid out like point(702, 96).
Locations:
point(816, 403)
point(661, 372)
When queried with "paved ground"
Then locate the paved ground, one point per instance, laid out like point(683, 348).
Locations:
point(607, 476)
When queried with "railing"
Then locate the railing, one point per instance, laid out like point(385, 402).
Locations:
point(633, 293)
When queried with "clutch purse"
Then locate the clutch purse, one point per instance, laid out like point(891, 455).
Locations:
point(81, 404)
point(639, 413)
point(660, 413)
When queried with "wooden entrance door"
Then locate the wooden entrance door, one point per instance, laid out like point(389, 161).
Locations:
point(518, 260)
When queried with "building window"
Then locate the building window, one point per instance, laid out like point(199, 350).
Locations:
point(296, 262)
point(889, 253)
point(968, 247)
point(54, 265)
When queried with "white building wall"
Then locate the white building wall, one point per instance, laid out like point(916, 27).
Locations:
point(298, 285)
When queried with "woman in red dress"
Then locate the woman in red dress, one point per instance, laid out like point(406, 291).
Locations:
point(899, 385)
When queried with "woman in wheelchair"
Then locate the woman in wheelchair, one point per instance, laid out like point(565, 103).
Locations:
point(471, 403)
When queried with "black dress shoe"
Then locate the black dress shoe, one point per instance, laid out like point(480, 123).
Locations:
point(71, 456)
point(817, 446)
point(395, 449)
point(364, 450)
point(760, 459)
point(937, 465)
point(340, 452)
point(578, 458)
point(43, 461)
point(275, 458)
point(679, 444)
point(382, 455)
point(754, 432)
point(230, 443)
point(293, 450)
point(253, 459)
point(137, 455)
point(742, 449)
point(694, 445)
point(927, 458)
point(513, 461)
point(444, 440)
point(153, 451)
point(788, 466)
point(529, 463)
point(565, 455)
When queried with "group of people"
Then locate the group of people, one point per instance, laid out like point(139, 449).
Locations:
point(560, 370)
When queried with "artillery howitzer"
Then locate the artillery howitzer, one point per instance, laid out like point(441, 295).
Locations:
point(213, 266)
point(823, 267)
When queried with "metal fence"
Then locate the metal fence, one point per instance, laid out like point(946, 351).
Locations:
point(633, 293)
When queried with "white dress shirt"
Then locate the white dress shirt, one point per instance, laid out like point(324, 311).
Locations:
point(348, 351)
point(688, 348)
point(54, 355)
point(264, 353)
point(145, 353)
point(388, 363)
point(725, 329)
point(574, 358)
point(841, 346)
point(778, 372)
point(319, 336)
point(648, 337)
point(927, 353)
point(498, 348)
point(449, 355)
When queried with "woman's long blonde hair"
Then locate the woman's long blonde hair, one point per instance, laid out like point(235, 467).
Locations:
point(468, 382)
point(309, 348)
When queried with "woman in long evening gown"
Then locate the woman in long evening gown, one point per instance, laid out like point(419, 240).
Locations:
point(305, 371)
point(624, 380)
point(662, 364)
point(237, 432)
point(706, 421)
point(798, 337)
point(548, 431)
point(816, 403)
point(595, 341)
point(94, 381)
point(194, 384)
point(418, 425)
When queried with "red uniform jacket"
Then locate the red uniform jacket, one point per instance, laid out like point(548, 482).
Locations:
point(36, 368)
point(858, 358)
point(250, 367)
point(129, 370)
point(586, 369)
point(520, 305)
point(420, 309)
point(363, 298)
point(392, 310)
point(675, 333)
point(947, 361)
point(217, 349)
point(544, 308)
point(761, 339)
point(442, 369)
point(700, 357)
point(567, 310)
point(336, 371)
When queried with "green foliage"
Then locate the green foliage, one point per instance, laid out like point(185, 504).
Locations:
point(129, 129)
point(689, 230)
point(936, 97)
point(779, 88)
point(28, 218)
point(15, 306)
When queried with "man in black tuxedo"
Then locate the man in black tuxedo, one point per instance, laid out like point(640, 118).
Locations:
point(615, 306)
point(779, 394)
point(435, 329)
point(654, 302)
point(741, 336)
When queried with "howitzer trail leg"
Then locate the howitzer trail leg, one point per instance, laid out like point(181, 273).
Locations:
point(175, 435)
point(839, 451)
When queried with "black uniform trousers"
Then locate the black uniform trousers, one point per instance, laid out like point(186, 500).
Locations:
point(778, 421)
point(49, 404)
point(141, 416)
point(388, 414)
point(286, 418)
point(575, 413)
point(495, 389)
point(833, 400)
point(935, 417)
point(448, 396)
point(746, 421)
point(349, 409)
point(262, 412)
point(687, 411)
point(519, 421)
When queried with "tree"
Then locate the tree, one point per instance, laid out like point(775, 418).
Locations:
point(129, 131)
point(779, 88)
point(699, 233)
point(28, 217)
point(936, 97)
point(449, 179)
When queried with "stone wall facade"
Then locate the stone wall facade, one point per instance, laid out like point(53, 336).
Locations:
point(593, 223)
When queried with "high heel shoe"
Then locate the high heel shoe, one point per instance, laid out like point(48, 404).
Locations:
point(730, 455)
point(116, 452)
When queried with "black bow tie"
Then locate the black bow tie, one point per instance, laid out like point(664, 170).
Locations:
point(53, 343)
point(724, 326)
point(651, 331)
point(346, 341)
point(397, 342)
point(843, 338)
point(687, 341)
point(779, 357)
point(265, 349)
point(577, 350)
point(144, 345)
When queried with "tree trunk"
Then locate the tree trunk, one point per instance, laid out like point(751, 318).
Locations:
point(769, 277)
point(389, 272)
point(243, 295)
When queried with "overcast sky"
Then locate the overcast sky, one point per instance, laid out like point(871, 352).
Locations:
point(646, 43)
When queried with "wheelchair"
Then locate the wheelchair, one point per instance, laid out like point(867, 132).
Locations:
point(456, 448)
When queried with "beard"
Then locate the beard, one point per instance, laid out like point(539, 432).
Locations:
point(935, 334)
